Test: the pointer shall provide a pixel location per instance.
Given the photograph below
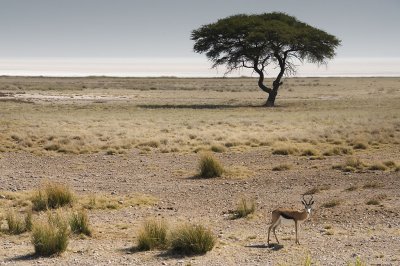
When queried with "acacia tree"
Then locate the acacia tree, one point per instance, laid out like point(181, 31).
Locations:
point(257, 41)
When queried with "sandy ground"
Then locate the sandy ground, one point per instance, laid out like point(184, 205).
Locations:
point(332, 236)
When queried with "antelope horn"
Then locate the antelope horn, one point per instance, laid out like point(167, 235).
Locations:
point(311, 199)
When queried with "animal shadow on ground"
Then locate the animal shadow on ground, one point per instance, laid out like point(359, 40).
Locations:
point(274, 247)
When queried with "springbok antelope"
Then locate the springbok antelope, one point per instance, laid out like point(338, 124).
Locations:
point(289, 214)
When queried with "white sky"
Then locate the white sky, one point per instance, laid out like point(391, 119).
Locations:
point(73, 35)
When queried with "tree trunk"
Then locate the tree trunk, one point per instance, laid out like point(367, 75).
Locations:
point(271, 99)
point(274, 92)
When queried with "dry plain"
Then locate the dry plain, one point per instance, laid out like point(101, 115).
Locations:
point(135, 143)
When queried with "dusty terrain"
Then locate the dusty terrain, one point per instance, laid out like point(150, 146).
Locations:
point(129, 138)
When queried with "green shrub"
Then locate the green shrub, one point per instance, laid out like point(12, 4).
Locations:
point(192, 239)
point(209, 166)
point(244, 208)
point(51, 237)
point(79, 223)
point(52, 195)
point(153, 235)
point(18, 225)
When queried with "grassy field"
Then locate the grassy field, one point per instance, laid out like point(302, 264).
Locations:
point(110, 115)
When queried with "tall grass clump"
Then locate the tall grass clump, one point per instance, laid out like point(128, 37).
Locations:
point(17, 224)
point(51, 237)
point(339, 150)
point(244, 208)
point(79, 223)
point(52, 195)
point(351, 165)
point(192, 239)
point(209, 166)
point(152, 235)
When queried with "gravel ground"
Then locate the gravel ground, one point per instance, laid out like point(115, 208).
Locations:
point(332, 236)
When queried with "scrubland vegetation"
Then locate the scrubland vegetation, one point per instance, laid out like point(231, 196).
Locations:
point(93, 167)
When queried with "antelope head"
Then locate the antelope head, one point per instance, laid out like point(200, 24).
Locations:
point(307, 205)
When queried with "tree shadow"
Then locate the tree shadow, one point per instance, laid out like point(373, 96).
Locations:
point(197, 106)
point(274, 247)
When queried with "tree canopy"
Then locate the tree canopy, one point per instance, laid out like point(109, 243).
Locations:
point(258, 41)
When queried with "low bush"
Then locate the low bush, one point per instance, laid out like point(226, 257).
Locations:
point(192, 239)
point(153, 235)
point(209, 166)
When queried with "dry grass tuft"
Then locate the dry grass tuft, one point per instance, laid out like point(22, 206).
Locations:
point(338, 151)
point(352, 164)
point(372, 185)
point(103, 202)
point(360, 145)
point(209, 166)
point(218, 148)
point(79, 223)
point(244, 208)
point(316, 190)
point(377, 167)
point(282, 167)
point(352, 188)
point(331, 204)
point(376, 200)
point(309, 152)
point(192, 239)
point(285, 150)
point(153, 235)
point(17, 224)
point(52, 195)
point(51, 237)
